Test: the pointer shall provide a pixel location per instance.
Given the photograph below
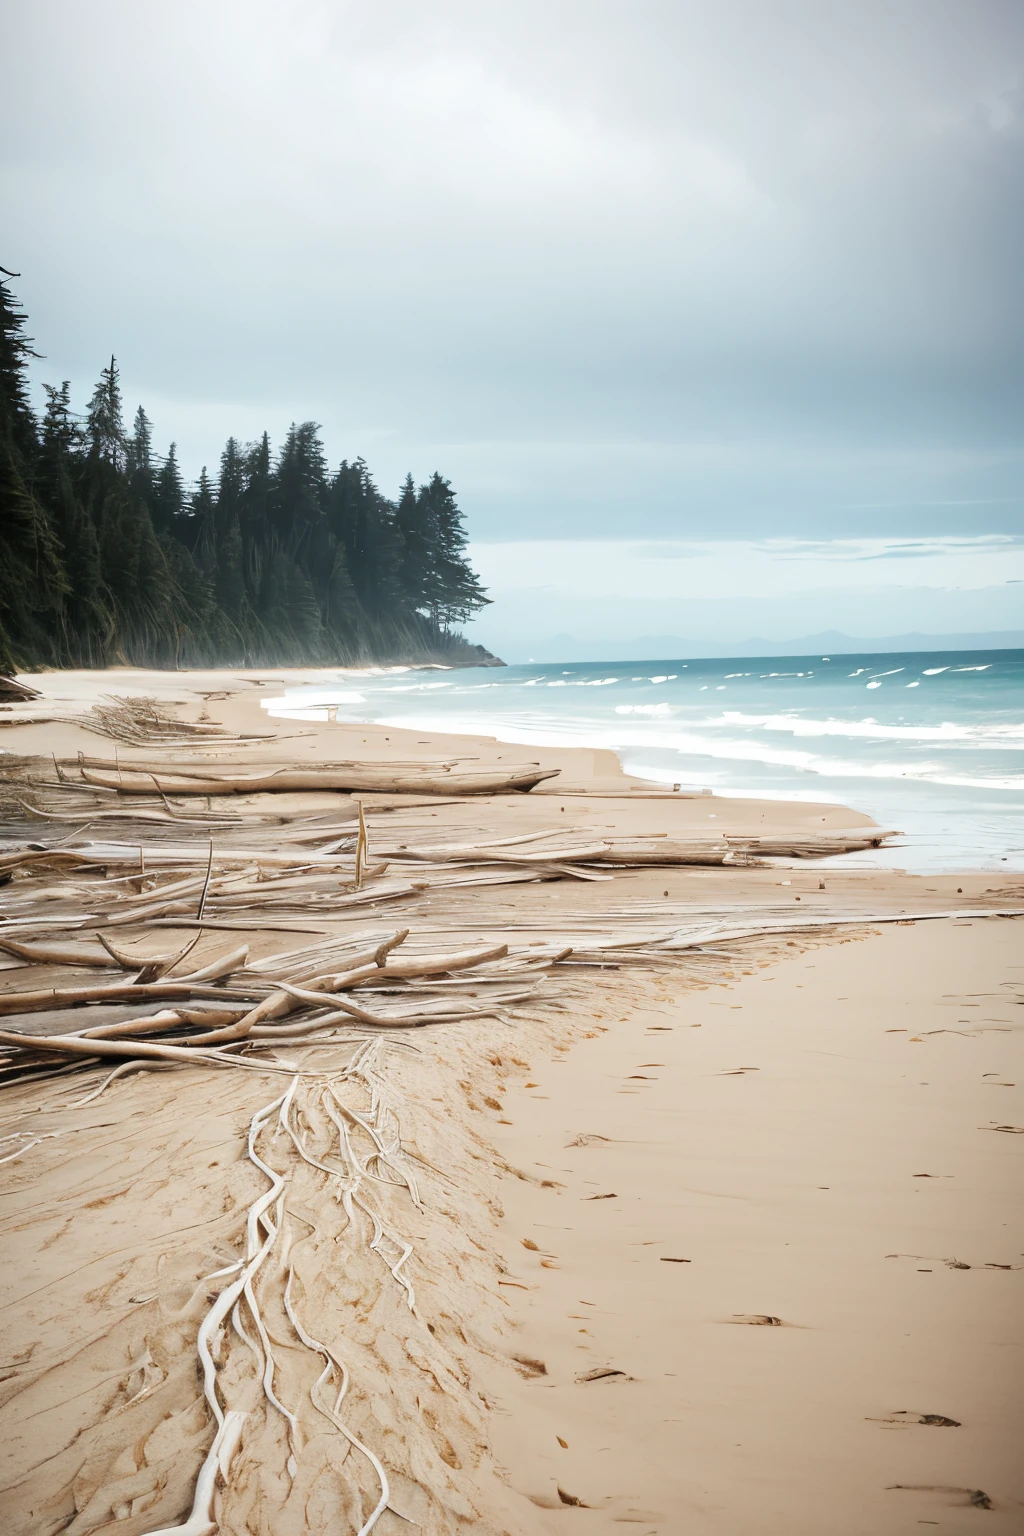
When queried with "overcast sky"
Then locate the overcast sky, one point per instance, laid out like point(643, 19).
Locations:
point(728, 270)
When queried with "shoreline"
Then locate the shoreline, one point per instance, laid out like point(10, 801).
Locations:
point(120, 1214)
point(944, 825)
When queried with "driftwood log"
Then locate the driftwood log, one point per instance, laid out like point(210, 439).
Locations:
point(366, 777)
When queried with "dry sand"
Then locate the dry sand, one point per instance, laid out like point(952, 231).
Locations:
point(801, 1241)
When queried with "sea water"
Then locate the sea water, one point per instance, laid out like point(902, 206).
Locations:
point(930, 744)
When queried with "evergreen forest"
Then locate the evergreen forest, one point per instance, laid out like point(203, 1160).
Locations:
point(107, 558)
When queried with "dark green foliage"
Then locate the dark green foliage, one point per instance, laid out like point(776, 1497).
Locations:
point(17, 425)
point(105, 558)
point(33, 582)
point(168, 493)
point(105, 426)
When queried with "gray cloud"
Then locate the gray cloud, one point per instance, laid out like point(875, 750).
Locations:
point(740, 268)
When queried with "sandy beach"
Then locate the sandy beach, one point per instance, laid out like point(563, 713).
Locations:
point(779, 1293)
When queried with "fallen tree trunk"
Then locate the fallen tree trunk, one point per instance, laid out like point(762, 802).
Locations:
point(290, 780)
point(116, 992)
point(11, 689)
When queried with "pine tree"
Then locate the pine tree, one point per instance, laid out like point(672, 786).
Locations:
point(140, 444)
point(140, 454)
point(17, 424)
point(300, 480)
point(104, 558)
point(32, 579)
point(168, 494)
point(417, 551)
point(365, 524)
point(105, 424)
point(200, 523)
point(255, 514)
point(231, 483)
point(85, 617)
point(62, 433)
point(454, 591)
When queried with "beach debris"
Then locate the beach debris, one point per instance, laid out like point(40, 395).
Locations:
point(11, 691)
point(757, 1319)
point(971, 1498)
point(224, 1011)
point(529, 1366)
point(145, 722)
point(603, 1373)
point(570, 1498)
point(911, 1416)
point(336, 777)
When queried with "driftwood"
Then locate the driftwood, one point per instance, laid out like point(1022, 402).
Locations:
point(645, 852)
point(11, 691)
point(380, 777)
point(144, 722)
point(245, 1015)
point(48, 998)
point(230, 1011)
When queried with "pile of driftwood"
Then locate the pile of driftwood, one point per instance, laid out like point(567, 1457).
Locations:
point(13, 692)
point(71, 899)
point(218, 1013)
point(146, 723)
point(231, 882)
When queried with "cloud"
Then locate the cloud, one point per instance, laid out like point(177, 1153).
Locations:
point(743, 266)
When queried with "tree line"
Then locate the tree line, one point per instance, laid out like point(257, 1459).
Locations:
point(107, 558)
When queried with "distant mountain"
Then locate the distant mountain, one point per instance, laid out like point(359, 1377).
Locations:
point(830, 642)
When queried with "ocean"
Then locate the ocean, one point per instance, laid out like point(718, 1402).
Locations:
point(930, 744)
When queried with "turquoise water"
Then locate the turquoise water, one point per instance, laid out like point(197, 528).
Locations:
point(931, 744)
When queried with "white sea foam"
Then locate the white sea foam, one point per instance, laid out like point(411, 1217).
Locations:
point(595, 682)
point(945, 765)
point(309, 703)
point(870, 729)
point(739, 751)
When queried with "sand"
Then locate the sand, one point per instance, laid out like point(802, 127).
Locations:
point(796, 1241)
